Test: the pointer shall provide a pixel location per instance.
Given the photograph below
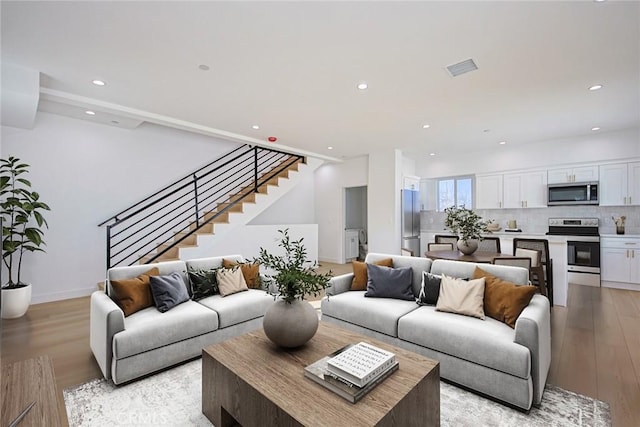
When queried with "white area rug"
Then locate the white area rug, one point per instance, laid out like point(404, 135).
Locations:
point(173, 398)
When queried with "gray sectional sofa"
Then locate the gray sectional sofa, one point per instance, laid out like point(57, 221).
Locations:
point(488, 356)
point(127, 348)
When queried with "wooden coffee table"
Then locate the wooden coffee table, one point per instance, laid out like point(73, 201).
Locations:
point(249, 381)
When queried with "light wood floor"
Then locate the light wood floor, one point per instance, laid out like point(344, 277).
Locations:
point(595, 348)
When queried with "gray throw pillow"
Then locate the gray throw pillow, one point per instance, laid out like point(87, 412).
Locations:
point(168, 291)
point(430, 289)
point(386, 282)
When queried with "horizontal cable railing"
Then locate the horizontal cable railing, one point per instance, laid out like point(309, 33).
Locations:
point(159, 223)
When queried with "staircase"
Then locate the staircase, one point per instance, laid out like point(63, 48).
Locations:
point(207, 204)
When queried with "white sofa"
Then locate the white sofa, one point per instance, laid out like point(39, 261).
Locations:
point(510, 365)
point(127, 348)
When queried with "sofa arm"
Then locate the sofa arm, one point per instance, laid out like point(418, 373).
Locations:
point(339, 284)
point(106, 320)
point(533, 330)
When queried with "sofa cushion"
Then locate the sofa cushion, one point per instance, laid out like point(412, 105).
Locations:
point(486, 342)
point(517, 275)
point(378, 314)
point(239, 307)
point(230, 281)
point(133, 294)
point(385, 282)
point(149, 329)
point(168, 291)
point(503, 300)
point(360, 273)
point(430, 290)
point(203, 283)
point(461, 296)
point(250, 272)
point(417, 264)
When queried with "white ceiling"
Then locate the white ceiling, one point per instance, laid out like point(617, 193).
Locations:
point(292, 67)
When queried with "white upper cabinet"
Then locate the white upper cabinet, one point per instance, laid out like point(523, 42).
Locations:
point(489, 191)
point(525, 189)
point(575, 174)
point(620, 184)
point(411, 182)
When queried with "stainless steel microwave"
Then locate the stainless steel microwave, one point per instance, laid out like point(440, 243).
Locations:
point(572, 193)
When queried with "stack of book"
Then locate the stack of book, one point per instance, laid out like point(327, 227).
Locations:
point(354, 370)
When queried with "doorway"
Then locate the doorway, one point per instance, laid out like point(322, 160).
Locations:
point(355, 223)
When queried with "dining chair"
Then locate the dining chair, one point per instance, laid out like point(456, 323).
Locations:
point(515, 261)
point(489, 244)
point(545, 261)
point(406, 252)
point(439, 246)
point(443, 238)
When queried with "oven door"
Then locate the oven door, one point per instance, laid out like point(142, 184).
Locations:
point(583, 257)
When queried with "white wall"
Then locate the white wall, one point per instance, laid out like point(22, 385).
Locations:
point(295, 207)
point(385, 174)
point(330, 183)
point(87, 172)
point(594, 147)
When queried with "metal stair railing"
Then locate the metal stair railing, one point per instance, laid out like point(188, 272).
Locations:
point(150, 228)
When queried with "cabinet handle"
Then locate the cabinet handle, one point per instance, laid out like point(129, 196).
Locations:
point(625, 200)
point(633, 254)
point(630, 243)
point(627, 253)
point(629, 199)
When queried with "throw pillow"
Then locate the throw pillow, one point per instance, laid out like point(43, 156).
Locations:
point(461, 297)
point(230, 281)
point(360, 277)
point(503, 300)
point(429, 290)
point(168, 291)
point(133, 295)
point(386, 282)
point(203, 283)
point(250, 272)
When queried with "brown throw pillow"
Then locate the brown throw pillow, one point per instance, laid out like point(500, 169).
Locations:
point(360, 276)
point(133, 295)
point(503, 300)
point(251, 272)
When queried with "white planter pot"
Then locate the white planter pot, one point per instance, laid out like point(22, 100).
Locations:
point(290, 325)
point(467, 247)
point(15, 302)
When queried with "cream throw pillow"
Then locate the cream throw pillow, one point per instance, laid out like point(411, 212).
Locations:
point(230, 281)
point(461, 296)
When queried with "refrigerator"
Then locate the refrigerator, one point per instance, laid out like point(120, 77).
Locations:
point(411, 221)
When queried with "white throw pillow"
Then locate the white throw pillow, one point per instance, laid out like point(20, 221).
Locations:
point(461, 296)
point(230, 281)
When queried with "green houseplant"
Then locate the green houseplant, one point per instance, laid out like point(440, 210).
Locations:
point(291, 321)
point(468, 225)
point(22, 224)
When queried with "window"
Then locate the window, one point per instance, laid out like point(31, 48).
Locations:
point(455, 191)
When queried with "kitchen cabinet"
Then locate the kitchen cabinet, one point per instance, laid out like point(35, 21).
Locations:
point(620, 259)
point(525, 189)
point(351, 244)
point(620, 184)
point(411, 182)
point(489, 191)
point(575, 174)
point(428, 194)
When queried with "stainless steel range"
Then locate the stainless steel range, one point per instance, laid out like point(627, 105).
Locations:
point(583, 248)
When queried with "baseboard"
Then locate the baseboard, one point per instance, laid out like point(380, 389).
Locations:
point(58, 296)
point(331, 260)
point(621, 285)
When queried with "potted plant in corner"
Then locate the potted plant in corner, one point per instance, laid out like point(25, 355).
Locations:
point(20, 207)
point(468, 225)
point(291, 321)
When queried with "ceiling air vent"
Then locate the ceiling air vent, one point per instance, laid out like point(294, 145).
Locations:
point(462, 67)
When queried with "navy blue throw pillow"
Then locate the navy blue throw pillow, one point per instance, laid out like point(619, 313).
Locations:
point(386, 282)
point(430, 290)
point(168, 291)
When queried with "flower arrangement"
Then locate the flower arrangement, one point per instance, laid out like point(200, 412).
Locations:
point(465, 223)
point(295, 275)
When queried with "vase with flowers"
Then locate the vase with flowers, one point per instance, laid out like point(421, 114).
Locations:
point(468, 225)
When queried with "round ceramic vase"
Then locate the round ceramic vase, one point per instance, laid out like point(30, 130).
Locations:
point(290, 325)
point(467, 247)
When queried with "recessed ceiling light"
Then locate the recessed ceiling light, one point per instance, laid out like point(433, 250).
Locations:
point(329, 148)
point(432, 154)
point(203, 67)
point(426, 126)
point(362, 86)
point(98, 82)
point(486, 130)
point(595, 87)
point(256, 127)
point(595, 128)
point(89, 112)
point(502, 142)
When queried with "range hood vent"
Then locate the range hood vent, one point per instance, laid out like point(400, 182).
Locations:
point(462, 67)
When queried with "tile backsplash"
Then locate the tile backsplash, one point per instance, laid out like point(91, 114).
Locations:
point(534, 220)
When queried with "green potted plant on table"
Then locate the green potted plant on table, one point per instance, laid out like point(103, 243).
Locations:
point(291, 321)
point(20, 207)
point(468, 225)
